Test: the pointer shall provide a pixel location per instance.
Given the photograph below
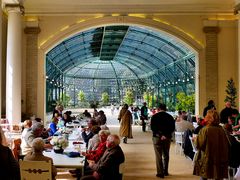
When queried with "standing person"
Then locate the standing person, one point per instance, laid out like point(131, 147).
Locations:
point(211, 161)
point(211, 105)
point(162, 125)
point(144, 116)
point(125, 119)
point(225, 113)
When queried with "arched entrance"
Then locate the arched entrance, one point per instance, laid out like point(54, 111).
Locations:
point(184, 38)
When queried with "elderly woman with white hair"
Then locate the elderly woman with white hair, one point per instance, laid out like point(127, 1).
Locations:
point(95, 155)
point(37, 154)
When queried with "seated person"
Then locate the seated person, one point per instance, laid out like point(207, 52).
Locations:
point(237, 126)
point(108, 165)
point(201, 123)
point(53, 126)
point(101, 118)
point(87, 132)
point(87, 114)
point(37, 154)
point(9, 168)
point(183, 125)
point(34, 132)
point(26, 125)
point(4, 141)
point(95, 140)
point(66, 118)
point(95, 155)
point(234, 158)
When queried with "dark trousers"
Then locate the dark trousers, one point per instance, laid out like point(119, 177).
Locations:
point(143, 125)
point(161, 149)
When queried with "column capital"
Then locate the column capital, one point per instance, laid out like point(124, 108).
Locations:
point(237, 9)
point(32, 30)
point(14, 8)
point(211, 29)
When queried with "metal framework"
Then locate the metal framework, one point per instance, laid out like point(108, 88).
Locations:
point(114, 58)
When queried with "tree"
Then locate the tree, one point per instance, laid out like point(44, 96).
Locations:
point(146, 97)
point(128, 98)
point(64, 99)
point(185, 102)
point(81, 96)
point(231, 92)
point(105, 98)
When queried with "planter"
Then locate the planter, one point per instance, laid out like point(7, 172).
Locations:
point(59, 151)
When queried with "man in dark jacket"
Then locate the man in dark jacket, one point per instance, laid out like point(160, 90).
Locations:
point(162, 125)
point(107, 168)
point(144, 116)
point(226, 112)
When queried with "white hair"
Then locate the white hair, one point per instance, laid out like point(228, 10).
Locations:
point(38, 145)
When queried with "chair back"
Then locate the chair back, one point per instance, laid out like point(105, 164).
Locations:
point(37, 170)
point(193, 145)
point(179, 137)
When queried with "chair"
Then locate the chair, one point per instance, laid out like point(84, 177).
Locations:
point(179, 141)
point(121, 170)
point(16, 149)
point(37, 170)
point(231, 173)
point(194, 148)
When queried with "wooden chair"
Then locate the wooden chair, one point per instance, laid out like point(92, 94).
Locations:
point(179, 141)
point(37, 170)
point(16, 149)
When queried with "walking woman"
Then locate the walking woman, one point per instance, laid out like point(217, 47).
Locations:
point(125, 119)
point(212, 159)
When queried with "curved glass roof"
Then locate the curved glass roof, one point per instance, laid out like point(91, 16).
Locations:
point(117, 56)
point(122, 52)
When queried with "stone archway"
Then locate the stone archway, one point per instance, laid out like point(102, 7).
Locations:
point(155, 24)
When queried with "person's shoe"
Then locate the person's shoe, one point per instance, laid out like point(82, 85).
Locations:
point(125, 140)
point(166, 174)
point(160, 175)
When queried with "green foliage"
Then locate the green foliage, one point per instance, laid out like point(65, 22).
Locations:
point(146, 98)
point(128, 98)
point(64, 99)
point(81, 96)
point(105, 98)
point(150, 99)
point(231, 92)
point(185, 102)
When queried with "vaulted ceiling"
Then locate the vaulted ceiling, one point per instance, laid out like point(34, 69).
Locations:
point(120, 53)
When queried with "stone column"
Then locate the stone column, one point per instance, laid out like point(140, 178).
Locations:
point(31, 68)
point(1, 25)
point(211, 62)
point(14, 58)
point(237, 13)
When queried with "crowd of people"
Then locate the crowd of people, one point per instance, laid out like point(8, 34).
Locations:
point(214, 137)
